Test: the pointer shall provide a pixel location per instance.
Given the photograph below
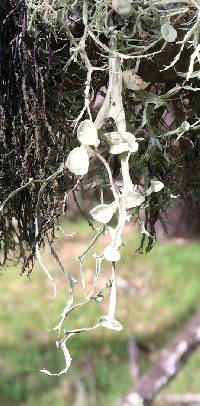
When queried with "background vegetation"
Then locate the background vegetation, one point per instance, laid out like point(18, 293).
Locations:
point(158, 294)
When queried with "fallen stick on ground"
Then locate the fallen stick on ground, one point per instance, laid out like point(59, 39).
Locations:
point(170, 360)
point(183, 399)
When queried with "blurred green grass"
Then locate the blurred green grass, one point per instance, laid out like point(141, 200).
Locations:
point(161, 296)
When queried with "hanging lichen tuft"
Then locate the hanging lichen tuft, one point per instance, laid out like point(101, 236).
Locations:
point(100, 95)
point(35, 133)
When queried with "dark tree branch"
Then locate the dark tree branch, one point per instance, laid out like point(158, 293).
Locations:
point(171, 359)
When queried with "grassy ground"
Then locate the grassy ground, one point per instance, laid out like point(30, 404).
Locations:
point(162, 294)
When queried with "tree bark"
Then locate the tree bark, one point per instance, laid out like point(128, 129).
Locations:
point(171, 359)
point(180, 223)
